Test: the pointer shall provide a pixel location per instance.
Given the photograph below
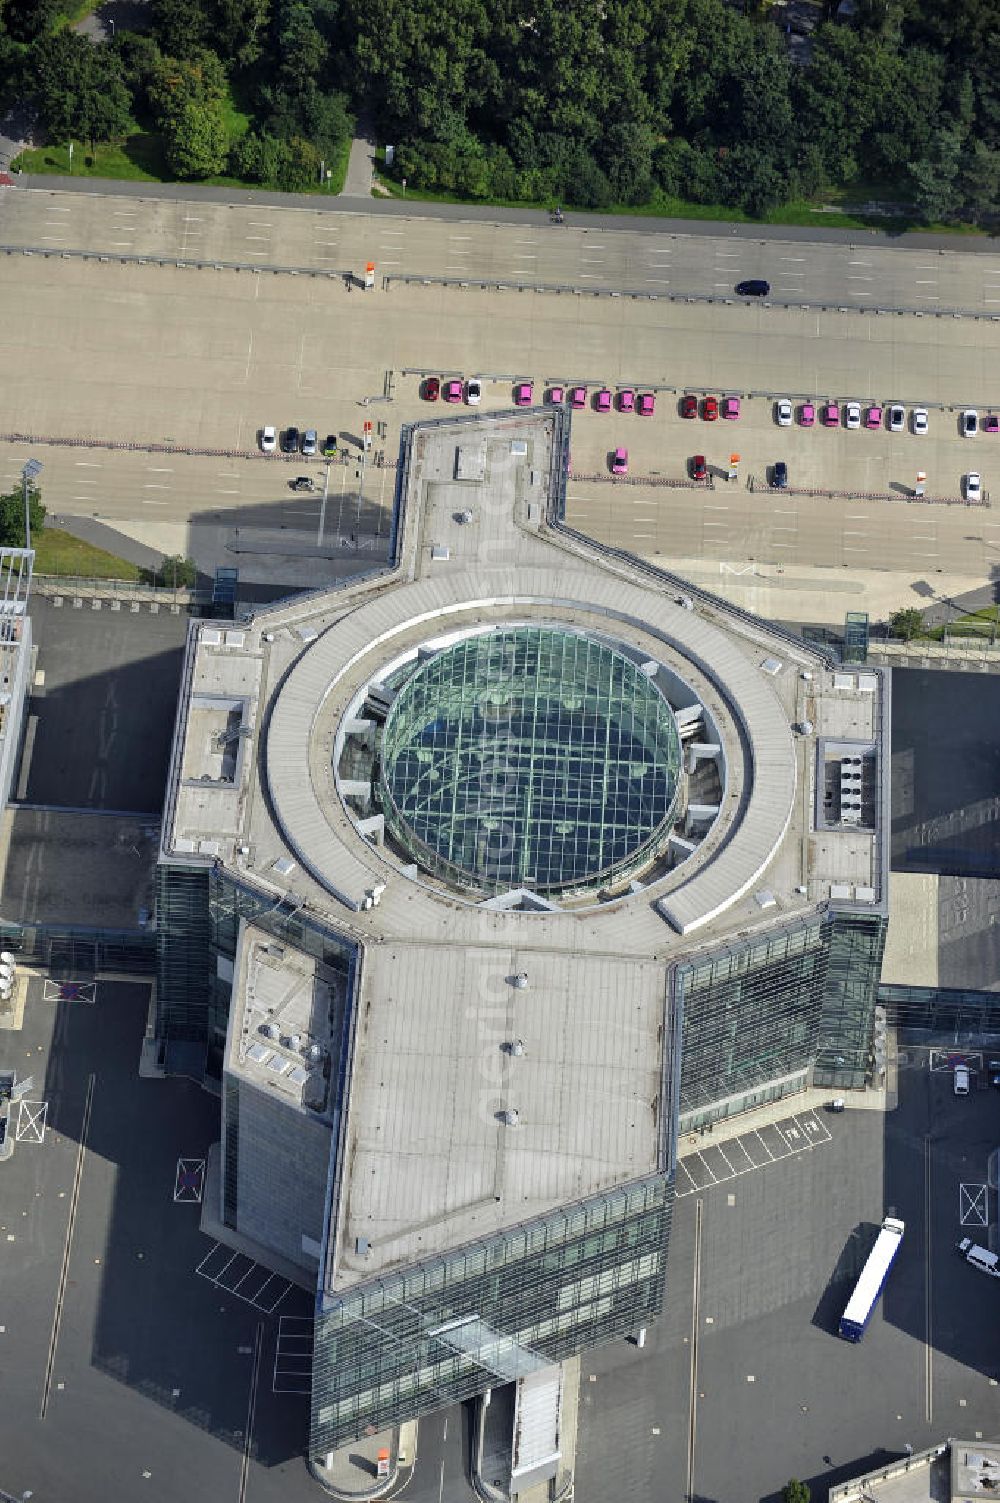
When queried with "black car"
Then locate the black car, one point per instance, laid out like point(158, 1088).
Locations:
point(290, 441)
point(779, 475)
point(753, 288)
point(302, 483)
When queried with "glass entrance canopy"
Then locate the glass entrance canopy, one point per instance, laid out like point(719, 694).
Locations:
point(529, 757)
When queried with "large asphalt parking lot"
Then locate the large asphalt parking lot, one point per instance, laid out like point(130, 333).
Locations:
point(126, 1374)
point(201, 359)
point(760, 1269)
point(129, 1374)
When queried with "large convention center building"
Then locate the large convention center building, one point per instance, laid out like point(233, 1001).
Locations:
point(484, 877)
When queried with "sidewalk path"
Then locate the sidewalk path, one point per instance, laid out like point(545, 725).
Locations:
point(360, 167)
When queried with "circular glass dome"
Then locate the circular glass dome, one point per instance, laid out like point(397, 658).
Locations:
point(529, 757)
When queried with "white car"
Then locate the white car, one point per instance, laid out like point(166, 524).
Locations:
point(973, 486)
point(852, 415)
point(783, 412)
point(961, 1080)
point(970, 423)
point(919, 419)
point(897, 418)
point(474, 391)
point(268, 440)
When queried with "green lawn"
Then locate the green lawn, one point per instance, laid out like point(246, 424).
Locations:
point(824, 211)
point(71, 14)
point(139, 158)
point(58, 552)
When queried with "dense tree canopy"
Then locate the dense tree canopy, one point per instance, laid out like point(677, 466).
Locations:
point(565, 100)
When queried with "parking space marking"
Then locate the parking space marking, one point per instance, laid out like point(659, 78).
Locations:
point(189, 1182)
point(973, 1205)
point(799, 1133)
point(293, 1355)
point(249, 1281)
point(682, 1167)
point(69, 991)
point(31, 1119)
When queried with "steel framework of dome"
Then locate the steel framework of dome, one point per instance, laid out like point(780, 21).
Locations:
point(530, 756)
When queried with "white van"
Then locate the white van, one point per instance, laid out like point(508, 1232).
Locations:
point(980, 1257)
point(961, 1081)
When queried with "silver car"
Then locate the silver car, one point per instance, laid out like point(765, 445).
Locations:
point(310, 443)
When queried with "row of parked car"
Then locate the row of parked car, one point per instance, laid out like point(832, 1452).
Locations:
point(603, 400)
point(873, 417)
point(291, 441)
point(711, 407)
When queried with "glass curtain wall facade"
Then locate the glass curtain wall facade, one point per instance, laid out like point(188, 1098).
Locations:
point(961, 1015)
point(450, 1327)
point(763, 1016)
point(843, 1056)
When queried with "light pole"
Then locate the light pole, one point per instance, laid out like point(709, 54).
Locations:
point(31, 469)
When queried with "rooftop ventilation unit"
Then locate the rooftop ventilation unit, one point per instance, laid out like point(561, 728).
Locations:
point(269, 1030)
point(510, 1117)
point(293, 1041)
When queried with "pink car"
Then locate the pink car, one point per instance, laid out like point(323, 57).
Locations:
point(523, 393)
point(991, 423)
point(578, 396)
point(873, 417)
point(626, 400)
point(556, 395)
point(619, 462)
point(831, 415)
point(646, 404)
point(807, 415)
point(602, 401)
point(452, 391)
point(731, 407)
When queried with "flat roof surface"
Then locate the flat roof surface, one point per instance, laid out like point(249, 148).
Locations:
point(432, 1161)
point(428, 1158)
point(286, 1021)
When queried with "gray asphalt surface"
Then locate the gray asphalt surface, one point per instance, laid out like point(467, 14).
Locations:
point(778, 1394)
point(946, 810)
point(137, 1383)
point(653, 258)
point(99, 730)
point(416, 209)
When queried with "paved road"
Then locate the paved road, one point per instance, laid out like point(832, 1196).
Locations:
point(817, 234)
point(151, 354)
point(340, 235)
